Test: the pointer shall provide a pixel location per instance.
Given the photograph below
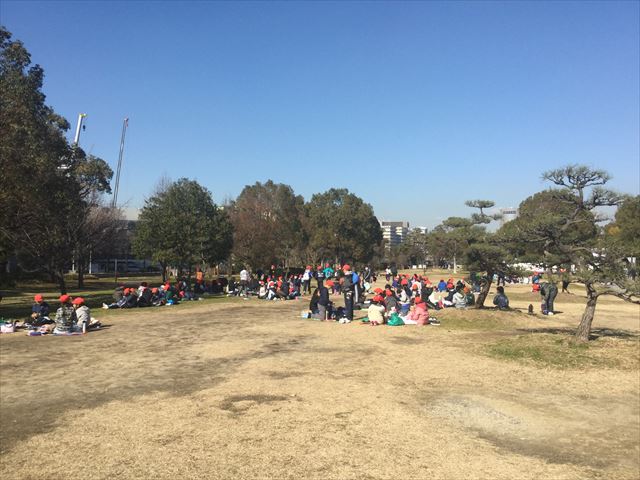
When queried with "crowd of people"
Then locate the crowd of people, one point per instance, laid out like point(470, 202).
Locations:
point(145, 296)
point(405, 298)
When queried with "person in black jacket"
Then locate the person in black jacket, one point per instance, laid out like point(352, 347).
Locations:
point(320, 276)
point(548, 291)
point(348, 289)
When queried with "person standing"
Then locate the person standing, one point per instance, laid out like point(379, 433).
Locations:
point(306, 280)
point(348, 287)
point(320, 276)
point(323, 300)
point(244, 282)
point(549, 291)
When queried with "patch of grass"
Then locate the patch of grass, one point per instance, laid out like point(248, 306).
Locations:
point(562, 352)
point(473, 319)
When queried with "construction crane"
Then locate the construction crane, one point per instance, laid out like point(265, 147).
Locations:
point(114, 202)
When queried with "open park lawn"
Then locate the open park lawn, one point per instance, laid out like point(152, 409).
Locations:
point(247, 389)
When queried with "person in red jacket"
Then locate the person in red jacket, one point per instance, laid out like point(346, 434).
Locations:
point(419, 315)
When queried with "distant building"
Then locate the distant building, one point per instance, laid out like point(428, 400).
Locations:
point(394, 233)
point(422, 229)
point(508, 214)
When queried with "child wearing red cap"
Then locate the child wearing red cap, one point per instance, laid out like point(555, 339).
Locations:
point(83, 315)
point(39, 312)
point(376, 310)
point(65, 316)
point(419, 315)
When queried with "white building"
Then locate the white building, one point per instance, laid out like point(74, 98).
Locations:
point(394, 233)
point(508, 214)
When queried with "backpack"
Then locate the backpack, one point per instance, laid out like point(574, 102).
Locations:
point(347, 283)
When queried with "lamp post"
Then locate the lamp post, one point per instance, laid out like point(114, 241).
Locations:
point(76, 139)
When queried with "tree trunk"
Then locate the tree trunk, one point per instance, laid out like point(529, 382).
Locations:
point(484, 292)
point(164, 272)
point(455, 264)
point(61, 283)
point(80, 267)
point(584, 329)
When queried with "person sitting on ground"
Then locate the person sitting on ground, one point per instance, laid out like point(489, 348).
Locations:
point(39, 312)
point(442, 285)
point(271, 290)
point(83, 315)
point(262, 292)
point(122, 303)
point(390, 302)
point(500, 300)
point(447, 301)
point(459, 299)
point(319, 301)
point(118, 293)
point(157, 297)
point(469, 297)
point(313, 303)
point(65, 316)
point(282, 292)
point(403, 301)
point(425, 292)
point(144, 296)
point(130, 297)
point(419, 315)
point(376, 311)
point(171, 295)
point(434, 300)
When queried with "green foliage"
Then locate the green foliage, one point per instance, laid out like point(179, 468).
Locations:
point(451, 239)
point(543, 221)
point(46, 185)
point(624, 232)
point(268, 224)
point(341, 225)
point(181, 226)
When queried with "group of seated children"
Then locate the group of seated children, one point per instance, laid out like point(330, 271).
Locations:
point(144, 296)
point(72, 316)
point(382, 308)
point(280, 288)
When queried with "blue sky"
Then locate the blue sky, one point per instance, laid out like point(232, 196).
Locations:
point(414, 106)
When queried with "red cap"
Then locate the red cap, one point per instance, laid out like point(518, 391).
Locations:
point(388, 292)
point(378, 298)
point(38, 298)
point(64, 298)
point(78, 301)
point(154, 290)
point(414, 286)
point(404, 282)
point(308, 267)
point(346, 267)
point(418, 300)
point(167, 286)
point(329, 283)
point(378, 290)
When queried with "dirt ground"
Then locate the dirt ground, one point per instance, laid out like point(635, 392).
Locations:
point(248, 389)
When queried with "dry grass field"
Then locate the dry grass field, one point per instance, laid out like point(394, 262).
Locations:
point(248, 389)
